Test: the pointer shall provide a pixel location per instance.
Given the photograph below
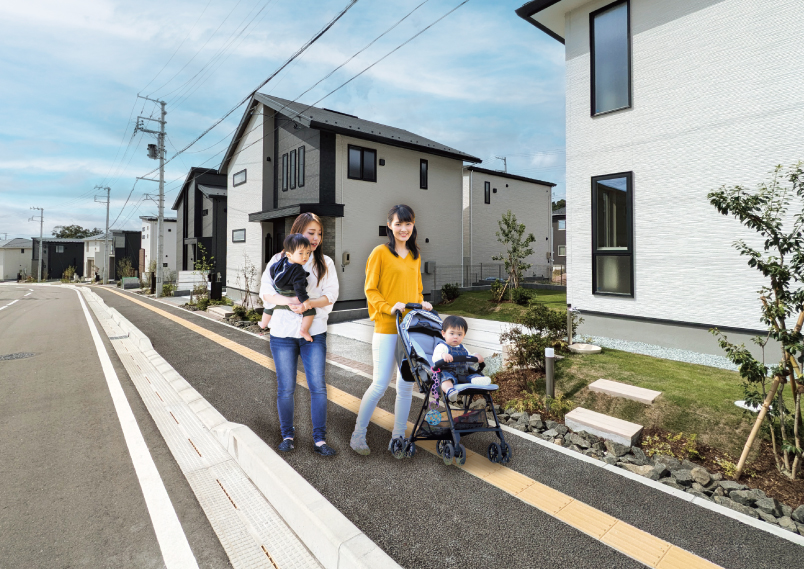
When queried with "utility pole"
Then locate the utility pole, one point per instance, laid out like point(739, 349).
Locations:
point(157, 151)
point(5, 236)
point(41, 225)
point(505, 163)
point(106, 235)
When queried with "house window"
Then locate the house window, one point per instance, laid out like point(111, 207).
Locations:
point(423, 174)
point(610, 41)
point(562, 250)
point(301, 166)
point(204, 212)
point(169, 230)
point(562, 224)
point(285, 172)
point(612, 235)
point(238, 235)
point(239, 178)
point(362, 164)
point(23, 250)
point(59, 248)
point(292, 169)
point(487, 192)
point(164, 264)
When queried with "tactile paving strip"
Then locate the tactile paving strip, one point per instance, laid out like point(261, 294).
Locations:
point(249, 529)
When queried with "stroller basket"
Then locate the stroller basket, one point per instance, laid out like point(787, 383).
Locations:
point(473, 419)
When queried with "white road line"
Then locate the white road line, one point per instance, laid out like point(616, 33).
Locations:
point(173, 543)
point(9, 304)
point(27, 293)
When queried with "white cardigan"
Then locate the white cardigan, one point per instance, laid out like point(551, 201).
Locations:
point(286, 323)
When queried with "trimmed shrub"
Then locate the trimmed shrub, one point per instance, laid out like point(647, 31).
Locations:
point(449, 292)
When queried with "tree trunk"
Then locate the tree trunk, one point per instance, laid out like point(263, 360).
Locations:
point(762, 412)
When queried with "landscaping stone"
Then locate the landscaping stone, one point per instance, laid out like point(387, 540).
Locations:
point(551, 424)
point(717, 476)
point(478, 404)
point(639, 454)
point(759, 493)
point(787, 510)
point(562, 430)
point(576, 439)
point(645, 470)
point(535, 422)
point(719, 491)
point(598, 446)
point(767, 517)
point(700, 475)
point(687, 465)
point(661, 470)
point(559, 441)
point(769, 506)
point(616, 448)
point(551, 433)
point(800, 528)
point(670, 462)
point(520, 427)
point(698, 488)
point(697, 494)
point(744, 497)
point(729, 503)
point(797, 515)
point(608, 459)
point(730, 485)
point(670, 481)
point(788, 524)
point(575, 448)
point(683, 477)
point(517, 416)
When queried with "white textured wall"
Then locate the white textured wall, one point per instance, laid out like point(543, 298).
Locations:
point(366, 205)
point(245, 199)
point(717, 99)
point(529, 202)
point(169, 246)
point(13, 260)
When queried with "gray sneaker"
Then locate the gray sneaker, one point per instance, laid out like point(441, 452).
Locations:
point(358, 444)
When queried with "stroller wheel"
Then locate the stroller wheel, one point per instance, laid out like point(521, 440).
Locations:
point(448, 453)
point(398, 448)
point(494, 452)
point(440, 448)
point(505, 457)
point(460, 455)
point(410, 449)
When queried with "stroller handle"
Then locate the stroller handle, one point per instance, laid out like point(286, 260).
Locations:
point(408, 306)
point(456, 359)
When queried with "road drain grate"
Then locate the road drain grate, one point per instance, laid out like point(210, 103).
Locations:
point(17, 356)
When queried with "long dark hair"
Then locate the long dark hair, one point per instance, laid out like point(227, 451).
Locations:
point(403, 213)
point(299, 225)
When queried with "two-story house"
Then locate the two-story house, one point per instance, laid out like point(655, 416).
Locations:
point(287, 158)
point(201, 219)
point(150, 225)
point(666, 102)
point(560, 236)
point(15, 258)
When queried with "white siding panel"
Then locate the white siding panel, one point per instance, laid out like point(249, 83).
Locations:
point(717, 101)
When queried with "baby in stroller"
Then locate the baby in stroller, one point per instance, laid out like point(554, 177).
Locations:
point(453, 330)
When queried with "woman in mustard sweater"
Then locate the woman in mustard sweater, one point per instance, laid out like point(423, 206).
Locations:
point(393, 279)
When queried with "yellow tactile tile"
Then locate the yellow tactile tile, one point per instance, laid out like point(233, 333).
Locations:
point(586, 518)
point(636, 543)
point(544, 498)
point(622, 537)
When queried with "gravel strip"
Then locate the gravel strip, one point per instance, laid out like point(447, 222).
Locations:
point(665, 353)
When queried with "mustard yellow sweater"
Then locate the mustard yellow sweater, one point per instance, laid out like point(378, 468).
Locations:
point(391, 279)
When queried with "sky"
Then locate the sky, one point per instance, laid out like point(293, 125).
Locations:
point(481, 80)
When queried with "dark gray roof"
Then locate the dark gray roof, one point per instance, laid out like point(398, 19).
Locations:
point(560, 211)
point(16, 243)
point(58, 240)
point(154, 218)
point(527, 10)
point(349, 125)
point(507, 175)
point(212, 191)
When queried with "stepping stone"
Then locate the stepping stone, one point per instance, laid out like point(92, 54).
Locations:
point(617, 389)
point(222, 311)
point(585, 349)
point(603, 426)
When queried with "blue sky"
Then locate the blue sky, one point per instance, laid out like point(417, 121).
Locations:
point(482, 80)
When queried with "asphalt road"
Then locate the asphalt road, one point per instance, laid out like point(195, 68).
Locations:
point(69, 495)
point(425, 514)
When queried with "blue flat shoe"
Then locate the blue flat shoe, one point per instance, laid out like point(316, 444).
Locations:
point(286, 445)
point(324, 450)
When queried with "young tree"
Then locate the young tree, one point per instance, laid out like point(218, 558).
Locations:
point(768, 210)
point(559, 204)
point(74, 232)
point(517, 248)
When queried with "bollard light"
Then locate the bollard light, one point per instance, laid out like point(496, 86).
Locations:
point(549, 368)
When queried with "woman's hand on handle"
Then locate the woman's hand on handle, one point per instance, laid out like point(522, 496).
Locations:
point(426, 305)
point(398, 307)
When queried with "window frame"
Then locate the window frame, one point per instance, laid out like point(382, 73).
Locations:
point(301, 166)
point(629, 220)
point(424, 173)
point(292, 161)
point(235, 183)
point(560, 223)
point(362, 150)
point(559, 253)
point(487, 192)
point(592, 57)
point(59, 248)
point(236, 236)
point(285, 172)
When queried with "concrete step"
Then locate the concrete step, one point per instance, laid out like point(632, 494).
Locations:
point(603, 426)
point(220, 310)
point(617, 389)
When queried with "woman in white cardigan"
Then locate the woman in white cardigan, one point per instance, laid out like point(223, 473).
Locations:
point(287, 343)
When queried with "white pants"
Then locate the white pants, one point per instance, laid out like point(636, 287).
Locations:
point(383, 347)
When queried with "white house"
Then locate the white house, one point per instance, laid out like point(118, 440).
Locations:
point(287, 158)
point(15, 258)
point(149, 232)
point(94, 247)
point(487, 196)
point(665, 102)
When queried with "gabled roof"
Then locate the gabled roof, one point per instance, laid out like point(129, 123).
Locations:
point(57, 240)
point(193, 174)
point(349, 125)
point(16, 243)
point(548, 15)
point(154, 218)
point(212, 191)
point(507, 175)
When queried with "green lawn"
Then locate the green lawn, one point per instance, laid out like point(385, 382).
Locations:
point(479, 305)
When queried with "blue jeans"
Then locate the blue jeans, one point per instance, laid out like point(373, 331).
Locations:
point(285, 352)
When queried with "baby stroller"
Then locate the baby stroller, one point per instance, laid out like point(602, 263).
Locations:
point(419, 332)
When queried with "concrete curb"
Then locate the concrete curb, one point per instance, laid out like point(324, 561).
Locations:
point(330, 536)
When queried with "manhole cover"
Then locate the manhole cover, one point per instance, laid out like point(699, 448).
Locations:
point(17, 356)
